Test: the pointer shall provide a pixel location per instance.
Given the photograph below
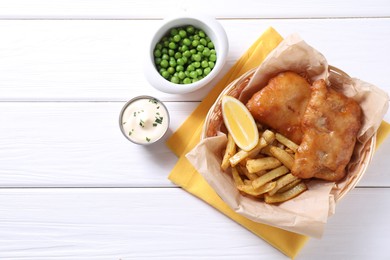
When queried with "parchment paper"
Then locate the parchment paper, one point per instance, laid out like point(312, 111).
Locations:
point(306, 214)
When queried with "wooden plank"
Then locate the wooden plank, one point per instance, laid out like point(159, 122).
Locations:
point(79, 144)
point(122, 9)
point(169, 224)
point(102, 60)
point(60, 144)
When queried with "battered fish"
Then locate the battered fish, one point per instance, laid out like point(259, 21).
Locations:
point(330, 125)
point(281, 104)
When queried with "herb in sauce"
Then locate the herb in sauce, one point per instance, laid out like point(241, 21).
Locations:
point(154, 101)
point(145, 120)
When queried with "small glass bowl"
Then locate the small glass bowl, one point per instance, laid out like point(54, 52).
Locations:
point(161, 108)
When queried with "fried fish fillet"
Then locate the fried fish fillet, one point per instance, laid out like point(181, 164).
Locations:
point(330, 125)
point(281, 104)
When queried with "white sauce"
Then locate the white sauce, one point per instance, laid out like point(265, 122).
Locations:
point(145, 120)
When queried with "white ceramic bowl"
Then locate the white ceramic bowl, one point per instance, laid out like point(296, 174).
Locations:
point(217, 35)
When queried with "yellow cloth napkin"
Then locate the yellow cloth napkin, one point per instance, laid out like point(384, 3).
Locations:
point(188, 135)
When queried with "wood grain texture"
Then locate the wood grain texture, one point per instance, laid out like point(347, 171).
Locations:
point(79, 144)
point(122, 9)
point(66, 69)
point(168, 224)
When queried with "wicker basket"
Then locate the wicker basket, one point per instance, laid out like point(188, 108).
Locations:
point(214, 122)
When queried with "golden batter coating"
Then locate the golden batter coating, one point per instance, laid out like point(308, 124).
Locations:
point(330, 125)
point(281, 104)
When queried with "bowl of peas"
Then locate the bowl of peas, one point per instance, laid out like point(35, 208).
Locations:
point(186, 53)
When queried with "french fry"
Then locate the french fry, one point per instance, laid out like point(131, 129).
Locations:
point(249, 175)
point(241, 155)
point(287, 142)
point(281, 182)
point(250, 190)
point(266, 150)
point(229, 152)
point(261, 173)
point(269, 176)
point(282, 156)
point(236, 177)
point(268, 136)
point(266, 163)
point(247, 182)
point(289, 186)
point(287, 195)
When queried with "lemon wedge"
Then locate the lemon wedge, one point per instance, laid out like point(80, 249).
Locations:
point(240, 123)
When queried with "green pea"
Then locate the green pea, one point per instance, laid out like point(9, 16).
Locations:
point(164, 51)
point(157, 60)
point(166, 43)
point(195, 43)
point(197, 57)
point(190, 68)
point(195, 80)
point(171, 70)
point(200, 47)
point(159, 46)
point(196, 37)
point(180, 61)
point(157, 53)
point(193, 74)
point(171, 52)
point(186, 42)
point(213, 57)
point(172, 63)
point(211, 64)
point(187, 54)
point(165, 74)
point(164, 63)
point(193, 51)
point(174, 32)
point(175, 80)
point(184, 48)
point(165, 57)
point(204, 64)
point(181, 75)
point(177, 55)
point(185, 59)
point(201, 33)
point(206, 71)
point(177, 38)
point(190, 29)
point(199, 72)
point(196, 64)
point(182, 33)
point(213, 51)
point(203, 42)
point(187, 81)
point(172, 45)
point(206, 52)
point(179, 68)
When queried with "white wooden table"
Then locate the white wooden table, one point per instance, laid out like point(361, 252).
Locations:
point(72, 187)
